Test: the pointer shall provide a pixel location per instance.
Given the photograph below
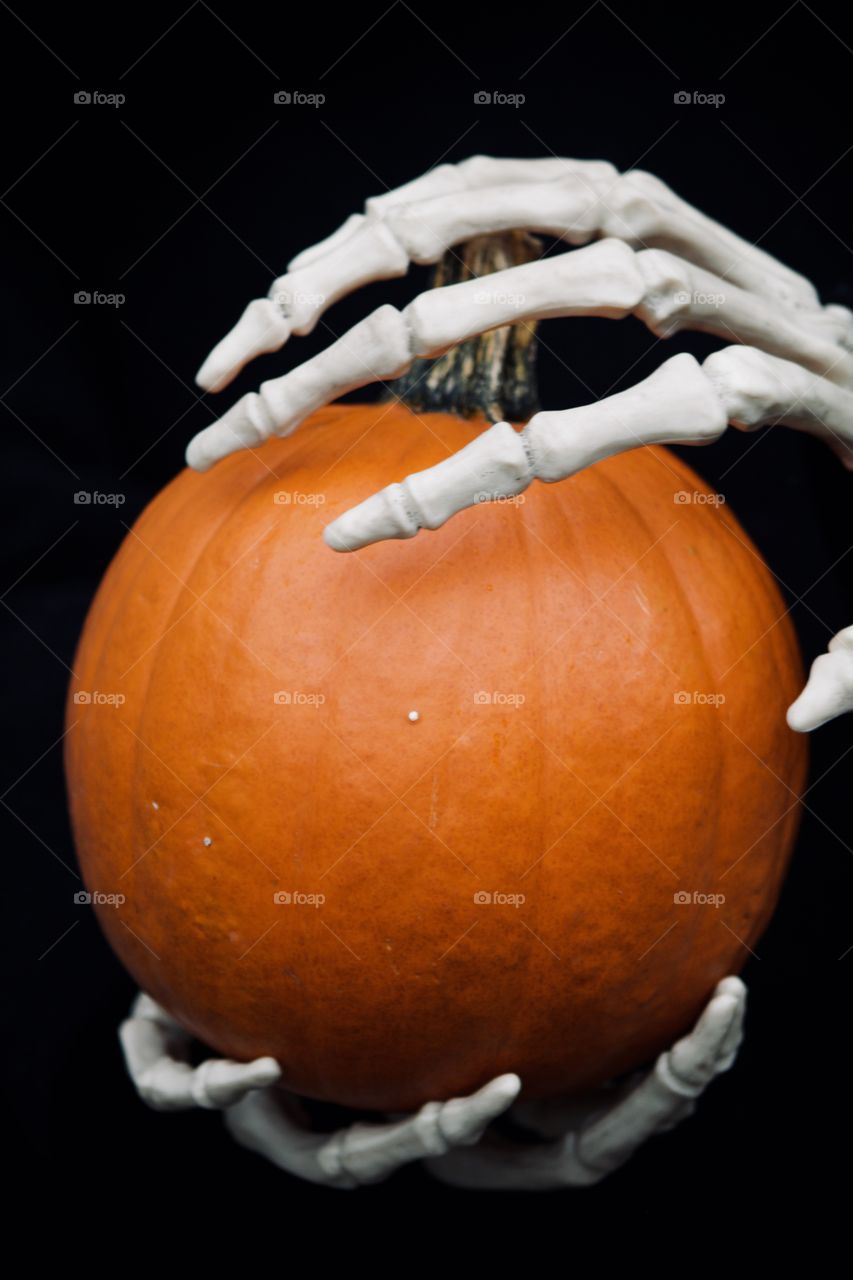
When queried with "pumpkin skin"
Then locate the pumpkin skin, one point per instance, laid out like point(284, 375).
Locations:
point(599, 797)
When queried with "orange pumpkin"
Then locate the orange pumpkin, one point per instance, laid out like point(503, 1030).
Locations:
point(400, 907)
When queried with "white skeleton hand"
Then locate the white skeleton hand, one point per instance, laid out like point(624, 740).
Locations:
point(660, 259)
point(156, 1050)
point(589, 1137)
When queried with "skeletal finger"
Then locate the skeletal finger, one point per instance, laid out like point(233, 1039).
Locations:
point(455, 180)
point(362, 250)
point(374, 249)
point(171, 1085)
point(151, 1037)
point(575, 200)
point(365, 1153)
point(369, 1153)
point(679, 1076)
point(579, 203)
point(297, 300)
point(679, 295)
point(605, 279)
point(156, 1050)
point(712, 1045)
point(680, 402)
point(601, 279)
point(758, 389)
point(829, 689)
point(649, 210)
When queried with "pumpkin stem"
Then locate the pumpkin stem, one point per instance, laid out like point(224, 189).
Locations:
point(493, 375)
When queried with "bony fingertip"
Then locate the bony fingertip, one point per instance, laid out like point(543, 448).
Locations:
point(266, 1070)
point(335, 537)
point(800, 717)
point(505, 1088)
point(195, 456)
point(731, 986)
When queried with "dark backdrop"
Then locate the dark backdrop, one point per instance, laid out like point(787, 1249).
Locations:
point(187, 199)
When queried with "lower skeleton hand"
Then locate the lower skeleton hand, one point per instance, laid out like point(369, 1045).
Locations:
point(579, 1140)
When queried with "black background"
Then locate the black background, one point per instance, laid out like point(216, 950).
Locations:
point(188, 199)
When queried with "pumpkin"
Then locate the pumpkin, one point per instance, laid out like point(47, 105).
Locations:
point(511, 796)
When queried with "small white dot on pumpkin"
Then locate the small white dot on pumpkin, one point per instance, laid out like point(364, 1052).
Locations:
point(154, 804)
point(207, 842)
point(414, 716)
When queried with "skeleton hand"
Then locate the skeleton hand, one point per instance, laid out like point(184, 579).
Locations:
point(660, 259)
point(596, 1135)
point(590, 1137)
point(156, 1050)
